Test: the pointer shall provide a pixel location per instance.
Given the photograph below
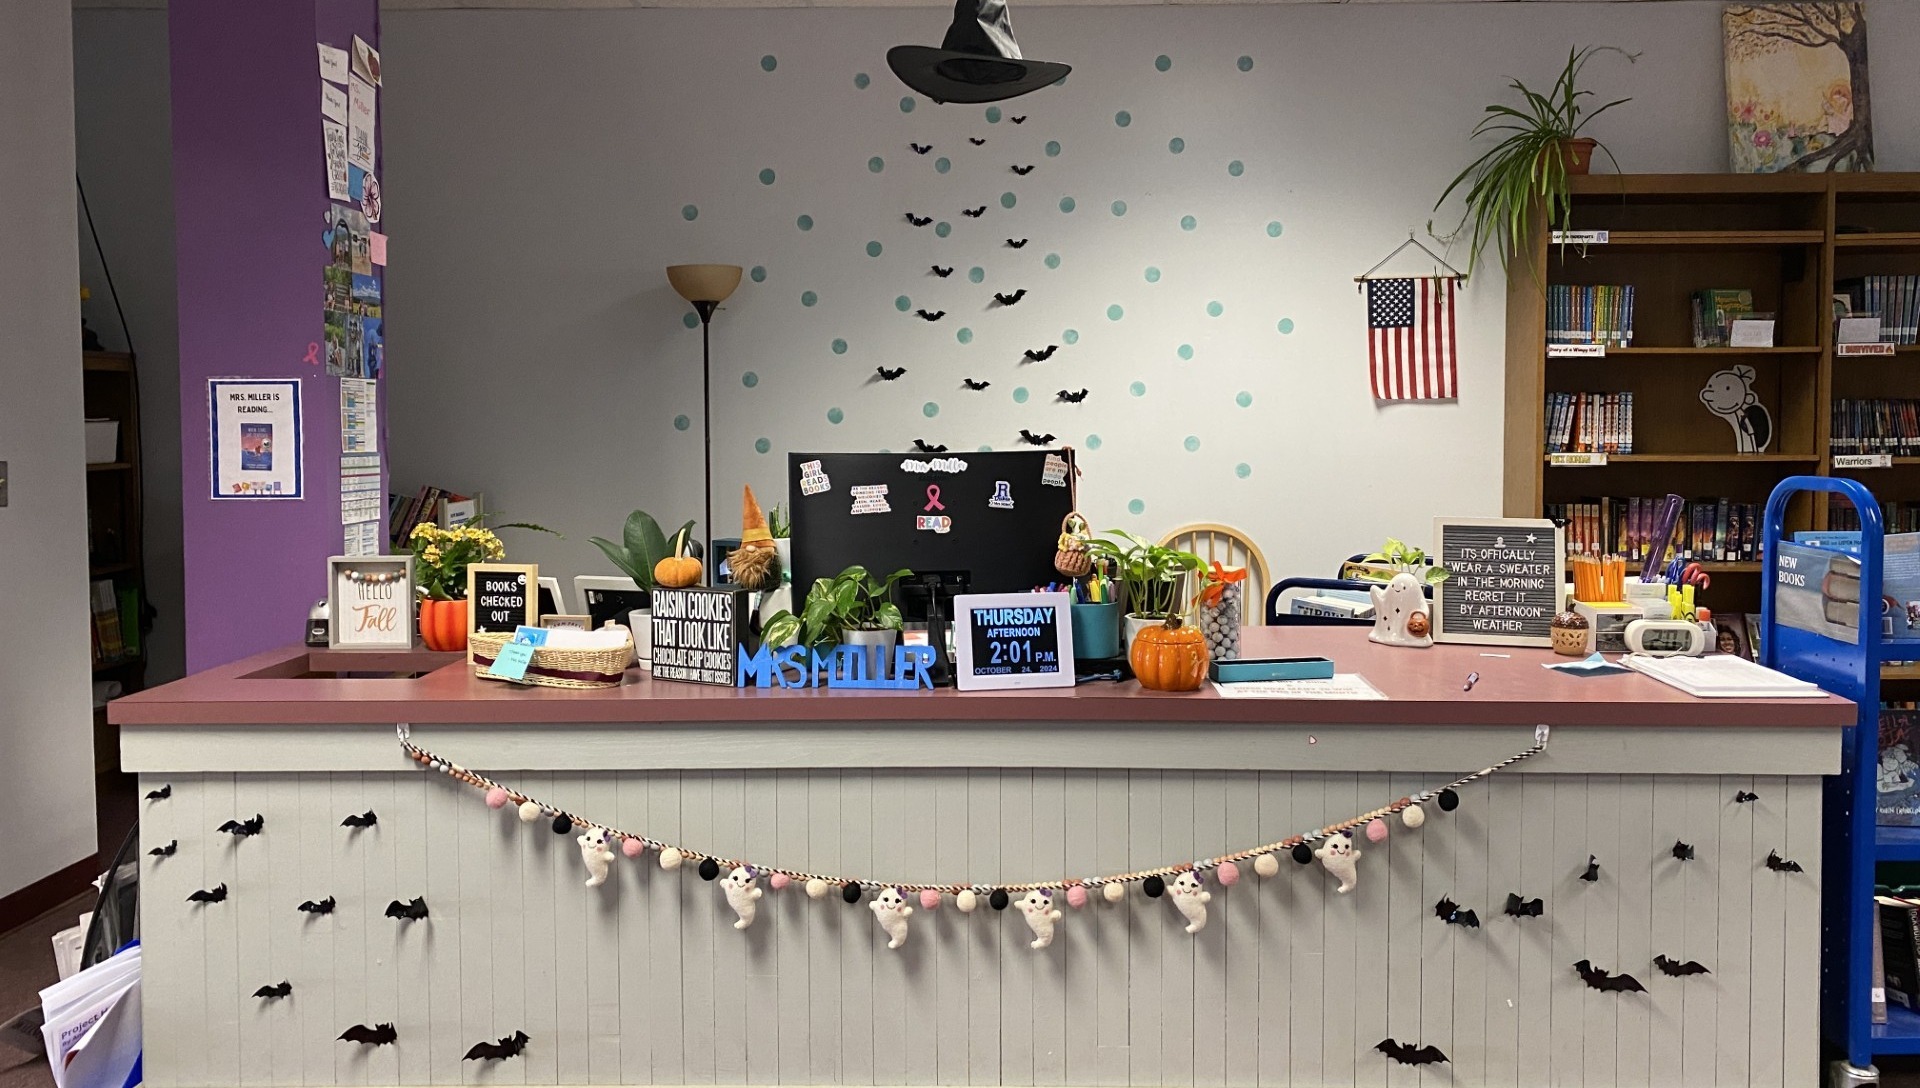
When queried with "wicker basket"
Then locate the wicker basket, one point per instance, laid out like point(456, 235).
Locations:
point(1071, 557)
point(555, 668)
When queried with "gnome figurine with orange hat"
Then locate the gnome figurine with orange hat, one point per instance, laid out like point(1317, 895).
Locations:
point(755, 563)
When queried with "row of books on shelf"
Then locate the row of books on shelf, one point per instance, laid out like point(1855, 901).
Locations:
point(1599, 314)
point(1714, 311)
point(1896, 517)
point(116, 621)
point(428, 506)
point(1709, 530)
point(1876, 425)
point(1590, 422)
point(1895, 300)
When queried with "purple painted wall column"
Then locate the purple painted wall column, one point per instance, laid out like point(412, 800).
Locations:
point(250, 199)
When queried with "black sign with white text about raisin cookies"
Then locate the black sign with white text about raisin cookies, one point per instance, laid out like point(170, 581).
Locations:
point(697, 634)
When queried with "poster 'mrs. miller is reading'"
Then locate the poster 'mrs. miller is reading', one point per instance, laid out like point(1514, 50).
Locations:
point(256, 441)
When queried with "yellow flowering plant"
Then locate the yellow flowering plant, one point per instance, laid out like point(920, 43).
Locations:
point(441, 556)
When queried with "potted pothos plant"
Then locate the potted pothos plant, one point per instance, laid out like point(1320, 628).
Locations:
point(639, 553)
point(1399, 557)
point(1540, 146)
point(852, 607)
point(440, 561)
point(1153, 575)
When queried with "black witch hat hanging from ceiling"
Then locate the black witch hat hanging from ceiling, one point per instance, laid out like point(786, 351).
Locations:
point(978, 62)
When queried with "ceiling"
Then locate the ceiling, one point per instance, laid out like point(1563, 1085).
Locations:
point(557, 5)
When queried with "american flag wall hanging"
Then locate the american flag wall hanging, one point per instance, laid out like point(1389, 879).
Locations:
point(1412, 339)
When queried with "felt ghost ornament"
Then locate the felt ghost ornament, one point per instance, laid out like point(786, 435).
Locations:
point(595, 853)
point(1191, 897)
point(743, 894)
point(1037, 907)
point(1339, 858)
point(892, 912)
point(529, 811)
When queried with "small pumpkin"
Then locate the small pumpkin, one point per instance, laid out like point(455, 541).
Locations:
point(679, 570)
point(1170, 656)
point(443, 624)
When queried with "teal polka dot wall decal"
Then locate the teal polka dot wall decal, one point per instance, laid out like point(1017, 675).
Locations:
point(1162, 62)
point(681, 423)
point(1092, 442)
point(761, 445)
point(835, 415)
point(1176, 145)
point(749, 379)
point(1286, 325)
point(1119, 207)
point(1136, 507)
point(1273, 229)
point(1214, 309)
point(965, 336)
point(930, 409)
point(1115, 312)
point(1188, 222)
point(903, 304)
point(873, 249)
point(976, 274)
point(1138, 389)
point(766, 176)
point(943, 228)
point(759, 273)
point(985, 449)
point(1053, 149)
point(993, 115)
point(876, 164)
point(1053, 260)
point(1020, 395)
point(689, 213)
point(1245, 64)
point(1123, 118)
point(839, 347)
point(1236, 168)
point(808, 298)
point(1153, 274)
point(691, 321)
point(1192, 443)
point(942, 164)
point(768, 63)
point(1243, 470)
point(906, 104)
point(861, 80)
point(1244, 399)
point(1008, 200)
point(1071, 336)
point(1185, 352)
point(1066, 204)
point(805, 222)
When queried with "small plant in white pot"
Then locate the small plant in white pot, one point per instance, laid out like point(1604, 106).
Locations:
point(852, 607)
point(641, 548)
point(1152, 573)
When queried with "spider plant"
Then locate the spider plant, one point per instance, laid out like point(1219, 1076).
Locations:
point(1528, 165)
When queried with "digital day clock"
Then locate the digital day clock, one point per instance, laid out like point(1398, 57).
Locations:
point(1666, 638)
point(1013, 640)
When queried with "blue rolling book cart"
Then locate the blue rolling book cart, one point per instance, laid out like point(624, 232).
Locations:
point(1854, 843)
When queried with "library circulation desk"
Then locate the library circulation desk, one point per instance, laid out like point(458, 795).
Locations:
point(644, 980)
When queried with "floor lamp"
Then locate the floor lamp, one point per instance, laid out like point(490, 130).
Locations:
point(706, 286)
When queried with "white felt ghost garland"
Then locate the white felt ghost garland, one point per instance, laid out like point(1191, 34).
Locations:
point(1037, 907)
point(1339, 857)
point(890, 909)
point(1191, 897)
point(596, 854)
point(742, 888)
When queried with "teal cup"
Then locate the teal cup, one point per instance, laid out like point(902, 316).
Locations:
point(1096, 631)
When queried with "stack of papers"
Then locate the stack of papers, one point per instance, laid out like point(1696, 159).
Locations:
point(92, 1026)
point(1722, 676)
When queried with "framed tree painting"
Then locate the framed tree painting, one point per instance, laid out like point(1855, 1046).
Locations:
point(1797, 96)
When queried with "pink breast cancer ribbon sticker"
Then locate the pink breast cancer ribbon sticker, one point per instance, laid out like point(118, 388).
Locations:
point(933, 498)
point(313, 355)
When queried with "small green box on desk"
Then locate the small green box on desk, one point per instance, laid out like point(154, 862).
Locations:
point(1272, 668)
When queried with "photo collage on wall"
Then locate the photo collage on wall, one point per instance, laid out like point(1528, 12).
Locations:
point(354, 342)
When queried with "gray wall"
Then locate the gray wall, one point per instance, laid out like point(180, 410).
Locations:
point(122, 125)
point(46, 749)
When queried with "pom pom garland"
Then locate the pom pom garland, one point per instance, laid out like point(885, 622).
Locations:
point(1376, 830)
point(671, 857)
point(999, 899)
point(1228, 873)
point(1115, 892)
point(850, 893)
point(1154, 887)
point(1077, 896)
point(561, 824)
point(966, 901)
point(929, 899)
point(816, 888)
point(632, 847)
point(1266, 865)
point(529, 811)
point(1413, 815)
point(779, 881)
point(1449, 800)
point(1302, 853)
point(709, 869)
point(496, 798)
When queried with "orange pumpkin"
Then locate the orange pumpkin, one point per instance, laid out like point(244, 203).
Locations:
point(679, 570)
point(443, 624)
point(1169, 656)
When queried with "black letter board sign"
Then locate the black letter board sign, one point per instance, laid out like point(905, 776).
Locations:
point(502, 596)
point(1508, 575)
point(697, 634)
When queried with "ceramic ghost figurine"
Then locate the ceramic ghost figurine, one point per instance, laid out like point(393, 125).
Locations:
point(892, 912)
point(595, 853)
point(1037, 906)
point(1339, 856)
point(1400, 613)
point(743, 894)
point(1191, 897)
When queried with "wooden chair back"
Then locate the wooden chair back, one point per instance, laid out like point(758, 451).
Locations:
point(1230, 548)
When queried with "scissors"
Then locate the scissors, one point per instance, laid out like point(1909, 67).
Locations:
point(1681, 573)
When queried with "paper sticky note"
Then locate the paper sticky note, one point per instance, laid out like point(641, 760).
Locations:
point(377, 248)
point(513, 661)
point(1591, 665)
point(333, 102)
point(531, 636)
point(333, 63)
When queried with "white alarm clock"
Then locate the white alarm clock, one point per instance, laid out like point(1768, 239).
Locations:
point(1666, 638)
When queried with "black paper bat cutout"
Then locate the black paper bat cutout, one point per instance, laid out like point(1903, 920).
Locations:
point(165, 851)
point(974, 213)
point(919, 220)
point(1020, 120)
point(160, 794)
point(1743, 797)
point(1071, 397)
point(1042, 355)
point(1032, 439)
point(1023, 171)
point(1593, 869)
point(1454, 914)
point(250, 827)
point(930, 315)
point(1781, 865)
point(973, 385)
point(1669, 967)
point(920, 445)
point(1409, 1054)
point(1522, 908)
point(377, 1035)
point(216, 894)
point(365, 819)
point(1008, 300)
point(282, 990)
point(1602, 980)
point(1683, 850)
point(411, 911)
point(890, 375)
point(975, 140)
point(509, 1046)
point(921, 149)
point(943, 273)
point(1021, 244)
point(318, 906)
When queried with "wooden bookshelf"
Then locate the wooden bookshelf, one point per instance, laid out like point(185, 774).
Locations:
point(1787, 238)
point(115, 514)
